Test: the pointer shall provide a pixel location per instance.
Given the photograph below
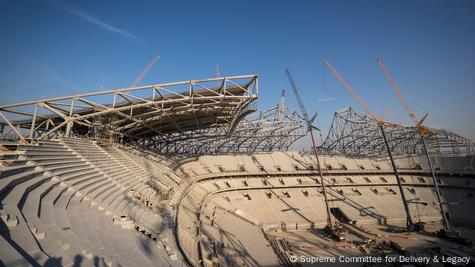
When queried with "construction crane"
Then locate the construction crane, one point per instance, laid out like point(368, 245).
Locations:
point(380, 123)
point(423, 131)
point(280, 116)
point(330, 228)
point(281, 107)
point(145, 71)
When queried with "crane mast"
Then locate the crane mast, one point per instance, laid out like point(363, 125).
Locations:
point(281, 107)
point(380, 123)
point(422, 132)
point(330, 225)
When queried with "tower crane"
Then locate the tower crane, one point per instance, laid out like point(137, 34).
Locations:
point(423, 131)
point(380, 123)
point(281, 107)
point(145, 71)
point(330, 228)
point(280, 116)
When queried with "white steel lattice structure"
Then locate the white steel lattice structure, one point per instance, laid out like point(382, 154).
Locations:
point(192, 117)
point(152, 111)
point(274, 129)
point(355, 134)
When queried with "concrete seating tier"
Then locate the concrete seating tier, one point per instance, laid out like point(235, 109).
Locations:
point(291, 202)
point(71, 201)
point(59, 204)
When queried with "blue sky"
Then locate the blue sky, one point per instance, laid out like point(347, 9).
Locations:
point(52, 48)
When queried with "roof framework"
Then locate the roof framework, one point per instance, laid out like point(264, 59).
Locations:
point(274, 129)
point(207, 116)
point(353, 133)
point(157, 111)
point(190, 117)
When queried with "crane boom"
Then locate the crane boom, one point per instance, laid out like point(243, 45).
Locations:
point(422, 131)
point(380, 123)
point(330, 226)
point(297, 96)
point(396, 90)
point(350, 89)
point(145, 70)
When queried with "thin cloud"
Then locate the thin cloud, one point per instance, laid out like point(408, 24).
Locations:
point(95, 21)
point(326, 99)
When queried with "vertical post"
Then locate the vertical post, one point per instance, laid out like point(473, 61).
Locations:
point(445, 221)
point(315, 151)
point(69, 125)
point(223, 88)
point(33, 121)
point(409, 221)
point(70, 122)
point(72, 108)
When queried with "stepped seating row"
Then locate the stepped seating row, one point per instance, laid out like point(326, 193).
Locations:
point(159, 172)
point(188, 221)
point(294, 207)
point(55, 203)
point(94, 153)
point(222, 239)
point(146, 221)
point(147, 196)
point(157, 158)
point(273, 162)
point(21, 196)
point(278, 162)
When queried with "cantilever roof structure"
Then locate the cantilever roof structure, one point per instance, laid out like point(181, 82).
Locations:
point(274, 129)
point(355, 134)
point(157, 110)
point(190, 117)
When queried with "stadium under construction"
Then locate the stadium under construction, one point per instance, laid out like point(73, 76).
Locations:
point(192, 174)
